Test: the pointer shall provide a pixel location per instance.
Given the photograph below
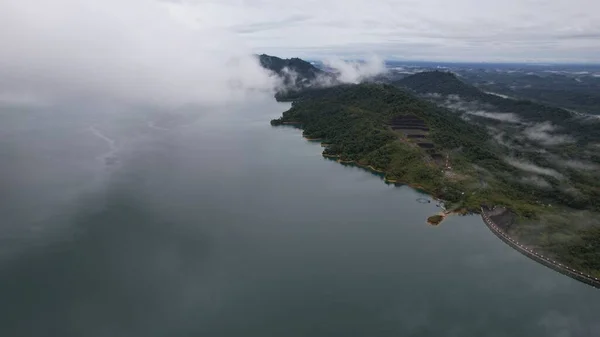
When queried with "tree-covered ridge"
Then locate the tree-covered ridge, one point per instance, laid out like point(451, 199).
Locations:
point(376, 105)
point(579, 91)
point(442, 82)
point(446, 83)
point(354, 121)
point(295, 73)
point(301, 67)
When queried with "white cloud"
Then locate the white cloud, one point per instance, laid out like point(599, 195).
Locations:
point(580, 165)
point(131, 51)
point(179, 51)
point(536, 181)
point(454, 102)
point(355, 71)
point(501, 116)
point(544, 133)
point(516, 30)
point(529, 167)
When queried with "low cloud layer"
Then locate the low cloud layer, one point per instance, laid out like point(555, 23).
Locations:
point(504, 117)
point(580, 165)
point(355, 71)
point(454, 102)
point(545, 133)
point(134, 51)
point(536, 181)
point(461, 30)
point(337, 71)
point(529, 167)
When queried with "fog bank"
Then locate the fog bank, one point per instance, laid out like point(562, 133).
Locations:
point(133, 52)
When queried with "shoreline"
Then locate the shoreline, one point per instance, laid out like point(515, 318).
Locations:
point(579, 276)
point(396, 182)
point(473, 206)
point(366, 167)
point(537, 257)
point(444, 214)
point(386, 179)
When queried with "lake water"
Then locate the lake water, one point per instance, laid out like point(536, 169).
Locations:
point(209, 222)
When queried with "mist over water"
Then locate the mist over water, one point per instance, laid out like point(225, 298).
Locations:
point(207, 221)
point(143, 192)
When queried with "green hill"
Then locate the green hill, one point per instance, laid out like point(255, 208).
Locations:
point(446, 83)
point(440, 82)
point(408, 139)
point(295, 73)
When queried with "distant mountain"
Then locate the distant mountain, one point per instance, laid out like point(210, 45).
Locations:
point(446, 83)
point(578, 91)
point(480, 103)
point(441, 82)
point(295, 72)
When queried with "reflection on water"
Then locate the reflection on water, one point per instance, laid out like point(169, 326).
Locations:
point(217, 224)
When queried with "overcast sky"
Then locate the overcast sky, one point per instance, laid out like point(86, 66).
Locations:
point(456, 30)
point(178, 51)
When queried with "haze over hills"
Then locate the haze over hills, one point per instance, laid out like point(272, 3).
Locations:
point(570, 86)
point(296, 73)
point(446, 89)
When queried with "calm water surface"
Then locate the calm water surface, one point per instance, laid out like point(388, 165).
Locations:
point(209, 222)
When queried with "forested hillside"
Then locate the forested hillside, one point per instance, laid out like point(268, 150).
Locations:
point(409, 139)
point(295, 73)
point(578, 90)
point(445, 83)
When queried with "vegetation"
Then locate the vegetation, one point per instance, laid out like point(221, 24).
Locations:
point(295, 73)
point(577, 91)
point(435, 219)
point(277, 65)
point(354, 121)
point(446, 83)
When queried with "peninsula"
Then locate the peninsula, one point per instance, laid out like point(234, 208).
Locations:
point(413, 138)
